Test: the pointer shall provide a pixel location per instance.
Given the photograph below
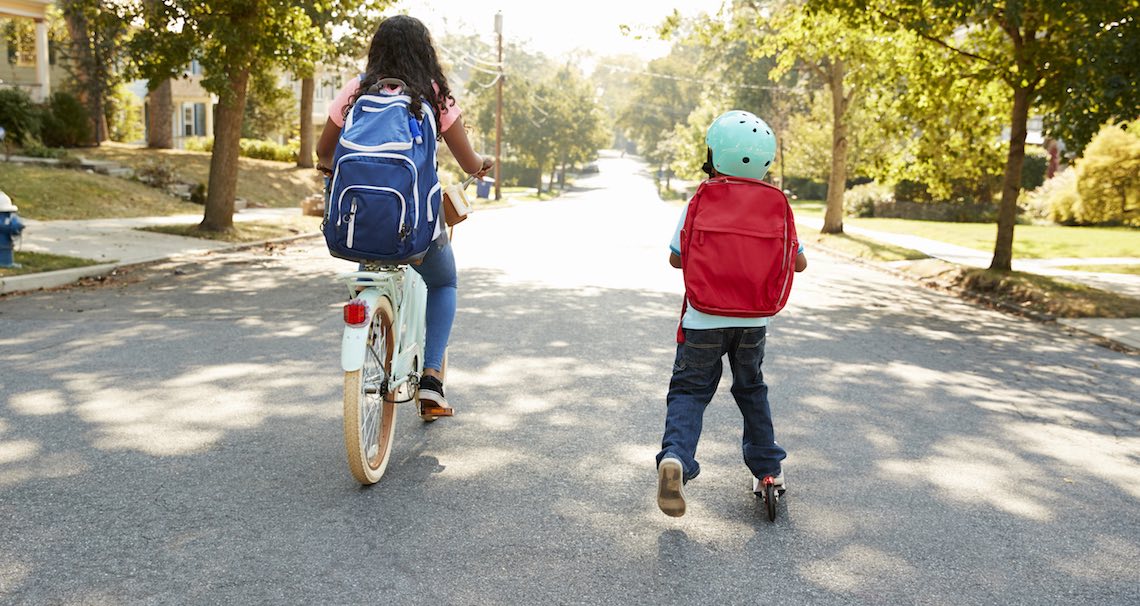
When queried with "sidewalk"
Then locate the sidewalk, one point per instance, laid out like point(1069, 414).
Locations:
point(1123, 331)
point(115, 243)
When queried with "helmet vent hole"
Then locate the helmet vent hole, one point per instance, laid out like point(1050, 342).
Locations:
point(747, 159)
point(767, 163)
point(742, 121)
point(768, 132)
point(754, 130)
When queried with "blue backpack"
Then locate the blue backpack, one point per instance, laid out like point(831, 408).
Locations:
point(384, 195)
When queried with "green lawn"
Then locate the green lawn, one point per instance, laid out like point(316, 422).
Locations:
point(1107, 269)
point(1029, 241)
point(48, 193)
point(273, 184)
point(31, 263)
point(246, 231)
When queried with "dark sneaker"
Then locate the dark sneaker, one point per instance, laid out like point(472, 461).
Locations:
point(432, 401)
point(778, 481)
point(670, 487)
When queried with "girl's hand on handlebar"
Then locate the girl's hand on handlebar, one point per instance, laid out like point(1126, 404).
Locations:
point(488, 164)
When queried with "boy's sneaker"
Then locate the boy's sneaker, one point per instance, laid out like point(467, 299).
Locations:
point(779, 481)
point(670, 487)
point(432, 402)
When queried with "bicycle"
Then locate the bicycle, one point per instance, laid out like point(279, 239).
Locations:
point(382, 356)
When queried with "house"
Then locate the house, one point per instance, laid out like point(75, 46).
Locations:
point(193, 107)
point(28, 64)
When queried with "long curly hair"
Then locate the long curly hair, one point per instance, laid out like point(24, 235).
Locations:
point(402, 48)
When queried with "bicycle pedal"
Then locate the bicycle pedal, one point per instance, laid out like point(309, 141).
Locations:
point(436, 411)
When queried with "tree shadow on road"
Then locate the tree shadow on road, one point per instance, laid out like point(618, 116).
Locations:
point(186, 428)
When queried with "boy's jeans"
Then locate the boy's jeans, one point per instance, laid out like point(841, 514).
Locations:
point(696, 373)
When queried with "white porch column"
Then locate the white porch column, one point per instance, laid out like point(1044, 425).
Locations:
point(43, 69)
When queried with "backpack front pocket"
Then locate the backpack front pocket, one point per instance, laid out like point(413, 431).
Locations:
point(374, 220)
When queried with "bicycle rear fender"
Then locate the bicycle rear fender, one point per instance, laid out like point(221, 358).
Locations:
point(354, 344)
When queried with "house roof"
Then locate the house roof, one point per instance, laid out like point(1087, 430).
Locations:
point(35, 9)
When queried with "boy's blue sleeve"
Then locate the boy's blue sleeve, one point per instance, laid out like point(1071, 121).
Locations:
point(801, 249)
point(675, 244)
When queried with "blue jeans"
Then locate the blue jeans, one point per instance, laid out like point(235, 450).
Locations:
point(438, 272)
point(696, 373)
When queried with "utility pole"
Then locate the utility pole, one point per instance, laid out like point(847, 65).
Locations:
point(499, 110)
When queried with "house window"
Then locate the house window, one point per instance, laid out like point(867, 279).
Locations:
point(188, 119)
point(21, 38)
point(194, 119)
point(195, 68)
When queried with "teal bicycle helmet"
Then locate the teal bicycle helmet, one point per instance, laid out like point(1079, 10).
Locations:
point(741, 145)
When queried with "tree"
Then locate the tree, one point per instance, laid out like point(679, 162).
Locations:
point(848, 59)
point(347, 27)
point(231, 39)
point(97, 31)
point(1077, 60)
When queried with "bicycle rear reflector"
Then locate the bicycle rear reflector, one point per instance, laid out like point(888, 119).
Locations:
point(356, 313)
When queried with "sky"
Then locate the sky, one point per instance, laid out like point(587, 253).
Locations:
point(557, 28)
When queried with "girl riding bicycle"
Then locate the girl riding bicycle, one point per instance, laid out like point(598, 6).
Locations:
point(402, 49)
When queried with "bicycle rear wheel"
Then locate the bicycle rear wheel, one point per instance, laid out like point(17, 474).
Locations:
point(369, 406)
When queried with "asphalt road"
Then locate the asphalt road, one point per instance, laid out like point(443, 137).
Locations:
point(172, 436)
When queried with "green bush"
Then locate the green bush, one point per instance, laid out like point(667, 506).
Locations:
point(66, 122)
point(20, 117)
point(1033, 168)
point(126, 121)
point(159, 173)
point(1108, 177)
point(859, 201)
point(252, 148)
point(202, 144)
point(37, 150)
point(1056, 200)
point(268, 150)
point(805, 189)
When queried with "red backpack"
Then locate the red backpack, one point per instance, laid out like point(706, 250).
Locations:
point(738, 248)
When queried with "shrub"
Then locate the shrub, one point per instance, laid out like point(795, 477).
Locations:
point(1108, 177)
point(1033, 168)
point(860, 200)
point(37, 150)
point(202, 144)
point(1056, 200)
point(198, 193)
point(159, 173)
point(911, 191)
point(806, 189)
point(126, 120)
point(268, 150)
point(20, 118)
point(252, 148)
point(66, 122)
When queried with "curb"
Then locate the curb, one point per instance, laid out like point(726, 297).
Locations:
point(66, 277)
point(986, 300)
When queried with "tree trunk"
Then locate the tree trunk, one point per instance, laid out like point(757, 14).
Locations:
point(82, 60)
point(1007, 210)
point(562, 176)
point(837, 180)
point(159, 118)
point(222, 187)
point(553, 170)
point(305, 159)
point(541, 164)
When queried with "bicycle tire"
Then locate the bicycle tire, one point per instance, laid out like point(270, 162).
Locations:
point(369, 407)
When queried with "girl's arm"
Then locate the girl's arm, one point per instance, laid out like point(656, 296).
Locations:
point(326, 146)
point(456, 139)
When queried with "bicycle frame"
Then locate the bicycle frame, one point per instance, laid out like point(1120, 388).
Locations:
point(407, 293)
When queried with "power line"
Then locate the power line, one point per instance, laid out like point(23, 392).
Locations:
point(687, 79)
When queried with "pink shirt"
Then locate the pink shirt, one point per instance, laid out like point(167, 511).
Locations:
point(336, 108)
